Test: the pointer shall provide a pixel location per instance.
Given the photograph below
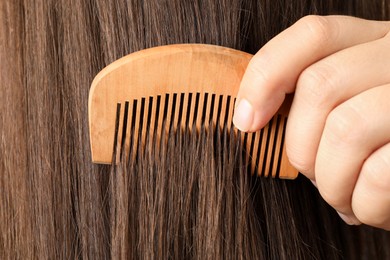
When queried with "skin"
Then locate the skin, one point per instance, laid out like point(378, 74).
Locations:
point(338, 131)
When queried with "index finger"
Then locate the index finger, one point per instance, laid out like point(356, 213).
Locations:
point(274, 70)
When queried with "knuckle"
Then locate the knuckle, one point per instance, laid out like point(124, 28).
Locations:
point(257, 69)
point(370, 216)
point(376, 172)
point(299, 161)
point(371, 204)
point(333, 198)
point(317, 84)
point(320, 28)
point(345, 126)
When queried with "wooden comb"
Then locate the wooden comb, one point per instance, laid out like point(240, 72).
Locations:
point(186, 83)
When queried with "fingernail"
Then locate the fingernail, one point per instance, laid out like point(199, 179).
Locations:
point(243, 115)
point(350, 220)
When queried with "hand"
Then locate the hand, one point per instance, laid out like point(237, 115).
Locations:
point(338, 130)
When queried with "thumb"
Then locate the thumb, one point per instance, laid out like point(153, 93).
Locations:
point(275, 69)
point(256, 101)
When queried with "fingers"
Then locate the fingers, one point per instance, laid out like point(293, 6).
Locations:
point(353, 131)
point(274, 70)
point(338, 126)
point(371, 197)
point(323, 86)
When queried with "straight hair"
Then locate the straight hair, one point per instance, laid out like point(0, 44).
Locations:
point(196, 200)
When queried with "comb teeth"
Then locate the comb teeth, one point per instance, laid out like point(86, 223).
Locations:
point(201, 82)
point(157, 116)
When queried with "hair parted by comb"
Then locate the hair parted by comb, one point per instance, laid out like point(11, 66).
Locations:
point(197, 200)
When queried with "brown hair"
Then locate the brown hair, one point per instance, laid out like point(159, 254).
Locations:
point(197, 200)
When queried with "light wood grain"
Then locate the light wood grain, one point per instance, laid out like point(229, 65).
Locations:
point(182, 68)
